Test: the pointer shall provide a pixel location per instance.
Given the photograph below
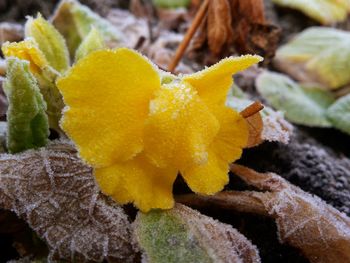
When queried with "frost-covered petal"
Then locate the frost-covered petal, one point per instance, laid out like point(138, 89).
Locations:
point(209, 178)
point(226, 147)
point(213, 83)
point(179, 129)
point(232, 136)
point(28, 50)
point(140, 182)
point(108, 94)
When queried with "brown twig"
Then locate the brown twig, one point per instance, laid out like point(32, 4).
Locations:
point(245, 202)
point(252, 109)
point(189, 34)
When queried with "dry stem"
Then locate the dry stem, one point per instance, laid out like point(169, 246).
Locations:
point(252, 109)
point(189, 34)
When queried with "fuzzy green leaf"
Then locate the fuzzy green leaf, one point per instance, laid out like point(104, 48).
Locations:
point(50, 42)
point(93, 41)
point(317, 55)
point(323, 11)
point(339, 114)
point(304, 106)
point(27, 121)
point(184, 235)
point(75, 21)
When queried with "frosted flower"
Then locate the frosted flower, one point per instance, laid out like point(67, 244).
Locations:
point(28, 50)
point(138, 133)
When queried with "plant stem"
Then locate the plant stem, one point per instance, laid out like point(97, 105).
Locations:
point(189, 34)
point(251, 109)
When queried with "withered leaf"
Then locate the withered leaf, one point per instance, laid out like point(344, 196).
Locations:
point(303, 221)
point(54, 191)
point(255, 126)
point(237, 23)
point(219, 28)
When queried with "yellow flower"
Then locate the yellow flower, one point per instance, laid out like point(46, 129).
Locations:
point(28, 50)
point(138, 134)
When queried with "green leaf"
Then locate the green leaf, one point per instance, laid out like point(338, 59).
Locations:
point(184, 235)
point(339, 114)
point(27, 121)
point(93, 41)
point(317, 55)
point(304, 106)
point(323, 11)
point(75, 21)
point(52, 96)
point(50, 42)
point(171, 3)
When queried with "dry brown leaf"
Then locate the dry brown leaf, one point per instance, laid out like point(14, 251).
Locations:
point(219, 28)
point(255, 127)
point(55, 192)
point(240, 23)
point(303, 221)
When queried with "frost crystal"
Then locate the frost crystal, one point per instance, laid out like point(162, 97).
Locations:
point(54, 191)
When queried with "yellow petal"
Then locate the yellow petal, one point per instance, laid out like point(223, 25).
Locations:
point(108, 94)
point(209, 178)
point(140, 182)
point(232, 136)
point(214, 82)
point(225, 148)
point(179, 129)
point(28, 50)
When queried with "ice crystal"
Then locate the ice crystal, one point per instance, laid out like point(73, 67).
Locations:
point(54, 191)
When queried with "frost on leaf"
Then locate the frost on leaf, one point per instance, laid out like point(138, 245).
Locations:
point(304, 221)
point(306, 106)
point(74, 21)
point(317, 55)
point(27, 121)
point(50, 42)
point(184, 235)
point(93, 41)
point(56, 194)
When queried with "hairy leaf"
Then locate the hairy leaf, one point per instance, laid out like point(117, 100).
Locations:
point(184, 235)
point(74, 21)
point(50, 42)
point(27, 120)
point(55, 192)
point(301, 105)
point(339, 114)
point(93, 41)
point(317, 55)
